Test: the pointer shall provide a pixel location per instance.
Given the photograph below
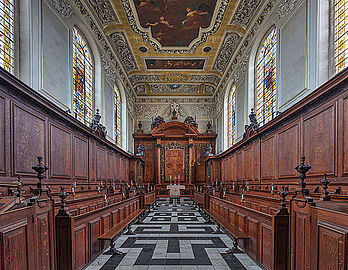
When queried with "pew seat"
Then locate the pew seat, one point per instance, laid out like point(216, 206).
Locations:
point(113, 233)
point(236, 235)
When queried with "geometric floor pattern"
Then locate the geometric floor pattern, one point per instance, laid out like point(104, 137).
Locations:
point(174, 235)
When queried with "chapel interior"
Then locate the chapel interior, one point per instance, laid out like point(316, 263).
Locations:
point(173, 134)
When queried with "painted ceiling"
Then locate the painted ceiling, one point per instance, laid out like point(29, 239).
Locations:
point(174, 47)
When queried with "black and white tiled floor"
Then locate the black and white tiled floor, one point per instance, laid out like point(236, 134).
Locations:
point(174, 235)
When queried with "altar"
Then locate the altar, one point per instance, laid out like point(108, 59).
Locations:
point(174, 190)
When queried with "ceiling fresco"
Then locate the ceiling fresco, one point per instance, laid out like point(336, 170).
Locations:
point(171, 47)
point(175, 23)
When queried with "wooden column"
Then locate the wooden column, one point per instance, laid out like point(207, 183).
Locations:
point(191, 160)
point(158, 160)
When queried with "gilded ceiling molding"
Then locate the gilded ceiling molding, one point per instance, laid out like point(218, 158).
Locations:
point(226, 51)
point(140, 89)
point(63, 7)
point(124, 52)
point(245, 11)
point(178, 89)
point(210, 78)
point(138, 78)
point(209, 89)
point(146, 35)
point(129, 91)
point(181, 100)
point(285, 7)
point(104, 11)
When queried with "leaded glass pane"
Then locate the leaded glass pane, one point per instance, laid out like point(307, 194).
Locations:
point(232, 117)
point(341, 34)
point(7, 15)
point(266, 78)
point(117, 104)
point(82, 79)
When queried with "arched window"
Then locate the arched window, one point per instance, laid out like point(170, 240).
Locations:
point(232, 117)
point(266, 78)
point(82, 79)
point(117, 104)
point(7, 15)
point(340, 34)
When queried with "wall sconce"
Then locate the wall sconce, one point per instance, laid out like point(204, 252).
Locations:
point(272, 188)
point(242, 198)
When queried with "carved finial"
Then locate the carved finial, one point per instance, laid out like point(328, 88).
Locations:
point(253, 120)
point(40, 169)
point(325, 196)
point(303, 168)
point(283, 193)
point(62, 195)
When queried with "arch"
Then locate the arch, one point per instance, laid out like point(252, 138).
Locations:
point(122, 92)
point(83, 78)
point(7, 37)
point(225, 138)
point(265, 78)
point(232, 123)
point(117, 116)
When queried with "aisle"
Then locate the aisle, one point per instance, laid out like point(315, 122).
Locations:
point(173, 236)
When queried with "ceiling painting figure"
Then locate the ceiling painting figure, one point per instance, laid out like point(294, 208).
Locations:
point(175, 23)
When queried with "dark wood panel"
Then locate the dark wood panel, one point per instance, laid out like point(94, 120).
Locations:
point(101, 162)
point(248, 164)
point(109, 166)
point(94, 232)
point(240, 165)
point(318, 128)
point(2, 136)
point(81, 158)
point(60, 152)
point(268, 156)
point(345, 137)
point(14, 239)
point(266, 253)
point(288, 151)
point(333, 242)
point(28, 140)
point(44, 260)
point(253, 232)
point(80, 248)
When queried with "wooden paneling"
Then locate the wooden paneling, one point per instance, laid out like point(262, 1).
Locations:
point(28, 140)
point(80, 248)
point(60, 152)
point(288, 151)
point(14, 239)
point(44, 241)
point(268, 158)
point(345, 137)
point(266, 241)
point(240, 165)
point(109, 166)
point(253, 232)
point(94, 232)
point(2, 136)
point(248, 164)
point(317, 129)
point(81, 158)
point(101, 162)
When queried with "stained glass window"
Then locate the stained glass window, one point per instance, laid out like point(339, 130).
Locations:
point(266, 78)
point(232, 117)
point(341, 34)
point(117, 103)
point(82, 79)
point(7, 15)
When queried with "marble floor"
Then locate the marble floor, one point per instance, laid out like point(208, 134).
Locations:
point(173, 235)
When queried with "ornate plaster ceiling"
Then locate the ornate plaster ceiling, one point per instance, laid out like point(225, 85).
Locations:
point(173, 47)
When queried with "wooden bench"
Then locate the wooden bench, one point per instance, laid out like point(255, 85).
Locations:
point(116, 231)
point(235, 235)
